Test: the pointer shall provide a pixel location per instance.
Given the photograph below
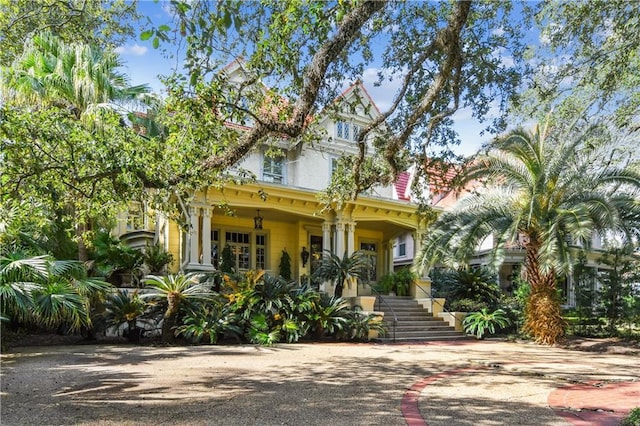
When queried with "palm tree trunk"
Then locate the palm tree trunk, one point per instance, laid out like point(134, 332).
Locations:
point(170, 316)
point(543, 316)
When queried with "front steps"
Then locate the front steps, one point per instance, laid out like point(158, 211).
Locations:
point(415, 324)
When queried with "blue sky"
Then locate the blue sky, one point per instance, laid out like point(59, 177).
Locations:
point(143, 64)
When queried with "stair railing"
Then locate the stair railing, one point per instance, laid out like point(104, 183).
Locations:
point(431, 299)
point(379, 300)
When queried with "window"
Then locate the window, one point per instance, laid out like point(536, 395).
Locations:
point(135, 218)
point(215, 252)
point(347, 131)
point(239, 243)
point(242, 245)
point(334, 165)
point(402, 246)
point(260, 252)
point(273, 169)
point(355, 130)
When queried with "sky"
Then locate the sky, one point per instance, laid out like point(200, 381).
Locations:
point(143, 64)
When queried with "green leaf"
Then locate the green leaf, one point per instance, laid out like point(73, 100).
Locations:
point(146, 35)
point(156, 42)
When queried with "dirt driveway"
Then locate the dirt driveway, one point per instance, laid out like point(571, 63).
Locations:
point(302, 384)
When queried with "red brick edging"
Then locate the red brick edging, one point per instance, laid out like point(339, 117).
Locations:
point(410, 408)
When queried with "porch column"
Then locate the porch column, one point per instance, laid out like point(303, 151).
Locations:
point(340, 246)
point(206, 237)
point(194, 216)
point(389, 255)
point(351, 243)
point(326, 236)
point(418, 236)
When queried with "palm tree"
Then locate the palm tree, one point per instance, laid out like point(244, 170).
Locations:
point(542, 193)
point(175, 289)
point(338, 270)
point(84, 80)
point(48, 292)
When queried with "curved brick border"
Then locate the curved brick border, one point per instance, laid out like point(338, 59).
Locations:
point(604, 404)
point(614, 400)
point(410, 408)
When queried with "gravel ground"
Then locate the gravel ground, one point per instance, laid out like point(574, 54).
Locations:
point(310, 384)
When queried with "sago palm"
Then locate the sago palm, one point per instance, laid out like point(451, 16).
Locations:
point(338, 270)
point(175, 289)
point(542, 193)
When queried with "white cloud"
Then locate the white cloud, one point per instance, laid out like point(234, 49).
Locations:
point(134, 50)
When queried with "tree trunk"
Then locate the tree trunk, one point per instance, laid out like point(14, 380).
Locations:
point(81, 229)
point(543, 316)
point(169, 320)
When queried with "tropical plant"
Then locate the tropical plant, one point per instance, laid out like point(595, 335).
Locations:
point(47, 292)
point(156, 258)
point(617, 276)
point(124, 308)
point(359, 325)
point(285, 265)
point(479, 323)
point(208, 321)
point(62, 92)
point(398, 282)
point(174, 289)
point(327, 315)
point(543, 190)
point(477, 285)
point(118, 262)
point(340, 270)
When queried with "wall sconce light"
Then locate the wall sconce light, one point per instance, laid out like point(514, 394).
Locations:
point(257, 221)
point(304, 256)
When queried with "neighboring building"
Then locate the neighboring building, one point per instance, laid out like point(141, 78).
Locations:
point(290, 218)
point(442, 196)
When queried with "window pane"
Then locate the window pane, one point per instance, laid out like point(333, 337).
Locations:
point(273, 169)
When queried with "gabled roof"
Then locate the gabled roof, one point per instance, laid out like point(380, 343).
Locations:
point(364, 94)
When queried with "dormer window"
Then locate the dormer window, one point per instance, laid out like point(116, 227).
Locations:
point(347, 131)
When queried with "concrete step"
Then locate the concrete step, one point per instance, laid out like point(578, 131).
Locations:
point(456, 337)
point(414, 323)
point(421, 328)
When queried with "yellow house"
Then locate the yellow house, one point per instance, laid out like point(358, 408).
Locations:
point(281, 211)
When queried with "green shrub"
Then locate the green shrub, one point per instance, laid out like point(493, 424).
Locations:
point(633, 418)
point(156, 258)
point(398, 282)
point(478, 323)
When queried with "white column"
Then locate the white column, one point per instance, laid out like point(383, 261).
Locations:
point(194, 215)
point(326, 236)
point(340, 246)
point(418, 236)
point(351, 241)
point(206, 237)
point(389, 254)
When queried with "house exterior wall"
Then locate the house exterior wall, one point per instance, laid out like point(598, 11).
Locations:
point(292, 216)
